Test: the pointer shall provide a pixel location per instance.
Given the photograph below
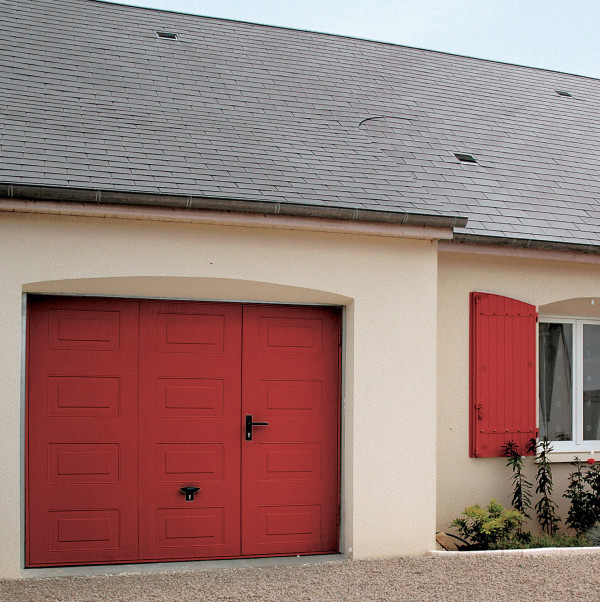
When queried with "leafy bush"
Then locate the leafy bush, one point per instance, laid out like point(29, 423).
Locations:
point(483, 527)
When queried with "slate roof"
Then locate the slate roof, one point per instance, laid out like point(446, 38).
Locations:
point(92, 98)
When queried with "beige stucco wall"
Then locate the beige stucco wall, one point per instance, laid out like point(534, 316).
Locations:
point(463, 481)
point(387, 285)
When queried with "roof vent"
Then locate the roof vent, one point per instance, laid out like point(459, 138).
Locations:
point(563, 93)
point(167, 35)
point(465, 158)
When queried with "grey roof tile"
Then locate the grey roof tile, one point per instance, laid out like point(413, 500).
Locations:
point(255, 112)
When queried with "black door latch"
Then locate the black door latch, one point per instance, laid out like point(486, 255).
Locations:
point(190, 492)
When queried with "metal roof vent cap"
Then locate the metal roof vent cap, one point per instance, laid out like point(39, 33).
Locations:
point(564, 93)
point(167, 35)
point(465, 158)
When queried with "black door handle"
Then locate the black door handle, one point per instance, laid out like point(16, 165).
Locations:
point(250, 424)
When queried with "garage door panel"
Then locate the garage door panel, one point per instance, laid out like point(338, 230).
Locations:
point(81, 413)
point(290, 468)
point(190, 365)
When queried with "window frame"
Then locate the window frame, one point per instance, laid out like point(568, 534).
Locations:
point(578, 444)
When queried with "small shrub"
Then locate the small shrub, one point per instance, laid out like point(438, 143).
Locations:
point(592, 479)
point(592, 536)
point(518, 541)
point(582, 515)
point(483, 527)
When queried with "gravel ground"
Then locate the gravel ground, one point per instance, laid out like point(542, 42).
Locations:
point(529, 579)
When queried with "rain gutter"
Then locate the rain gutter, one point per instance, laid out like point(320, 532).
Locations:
point(523, 247)
point(111, 203)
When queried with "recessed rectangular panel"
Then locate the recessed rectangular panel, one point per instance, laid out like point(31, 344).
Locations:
point(83, 530)
point(291, 336)
point(289, 461)
point(298, 523)
point(189, 397)
point(83, 396)
point(83, 463)
point(178, 527)
point(190, 333)
point(89, 330)
point(283, 524)
point(290, 398)
point(190, 527)
point(189, 461)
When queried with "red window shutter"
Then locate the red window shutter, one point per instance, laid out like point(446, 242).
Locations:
point(503, 383)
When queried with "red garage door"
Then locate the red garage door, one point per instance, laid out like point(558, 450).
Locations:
point(131, 402)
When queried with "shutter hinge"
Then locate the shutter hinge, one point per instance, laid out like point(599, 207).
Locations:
point(340, 337)
point(479, 408)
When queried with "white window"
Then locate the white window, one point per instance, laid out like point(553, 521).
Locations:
point(569, 383)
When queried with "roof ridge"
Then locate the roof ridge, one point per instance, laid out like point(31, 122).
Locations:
point(342, 36)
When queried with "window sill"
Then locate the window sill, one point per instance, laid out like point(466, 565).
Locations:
point(557, 457)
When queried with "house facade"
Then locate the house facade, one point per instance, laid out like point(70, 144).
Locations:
point(239, 283)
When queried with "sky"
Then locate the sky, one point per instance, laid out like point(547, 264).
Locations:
point(562, 35)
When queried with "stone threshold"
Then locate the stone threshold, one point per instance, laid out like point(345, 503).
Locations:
point(528, 552)
point(177, 566)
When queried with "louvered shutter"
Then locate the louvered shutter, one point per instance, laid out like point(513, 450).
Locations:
point(503, 383)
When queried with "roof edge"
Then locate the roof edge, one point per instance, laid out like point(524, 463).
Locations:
point(29, 192)
point(524, 243)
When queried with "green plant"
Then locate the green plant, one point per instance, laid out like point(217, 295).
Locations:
point(592, 535)
point(545, 508)
point(582, 514)
point(485, 526)
point(521, 499)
